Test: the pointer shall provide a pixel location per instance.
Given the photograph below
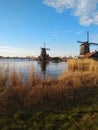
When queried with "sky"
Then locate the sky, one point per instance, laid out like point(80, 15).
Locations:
point(26, 24)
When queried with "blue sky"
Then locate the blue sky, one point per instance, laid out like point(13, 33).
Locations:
point(26, 24)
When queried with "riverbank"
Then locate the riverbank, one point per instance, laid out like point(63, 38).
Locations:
point(67, 102)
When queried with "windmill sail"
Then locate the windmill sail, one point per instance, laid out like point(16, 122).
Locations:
point(85, 45)
point(91, 43)
point(87, 36)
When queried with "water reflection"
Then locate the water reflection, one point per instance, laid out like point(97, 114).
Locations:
point(46, 69)
point(43, 67)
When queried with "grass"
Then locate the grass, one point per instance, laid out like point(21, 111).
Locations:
point(68, 102)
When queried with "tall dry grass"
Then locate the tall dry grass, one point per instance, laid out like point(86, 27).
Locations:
point(81, 71)
point(83, 65)
point(17, 94)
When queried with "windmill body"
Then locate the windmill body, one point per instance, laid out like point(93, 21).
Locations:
point(84, 48)
point(43, 54)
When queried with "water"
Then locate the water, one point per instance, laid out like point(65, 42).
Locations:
point(48, 69)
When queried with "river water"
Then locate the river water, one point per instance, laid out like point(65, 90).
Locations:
point(49, 69)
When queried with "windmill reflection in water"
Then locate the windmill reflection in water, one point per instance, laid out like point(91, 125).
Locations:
point(43, 67)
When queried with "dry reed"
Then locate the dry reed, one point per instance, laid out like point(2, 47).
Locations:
point(83, 65)
point(56, 93)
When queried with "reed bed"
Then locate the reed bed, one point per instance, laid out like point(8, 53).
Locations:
point(83, 65)
point(17, 94)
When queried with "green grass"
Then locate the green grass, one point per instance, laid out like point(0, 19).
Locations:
point(82, 114)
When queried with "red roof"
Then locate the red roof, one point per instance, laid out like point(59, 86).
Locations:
point(87, 55)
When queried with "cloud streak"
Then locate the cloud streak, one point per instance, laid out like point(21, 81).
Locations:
point(85, 10)
point(56, 32)
point(11, 51)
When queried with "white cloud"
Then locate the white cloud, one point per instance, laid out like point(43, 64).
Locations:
point(85, 10)
point(95, 17)
point(60, 5)
point(85, 20)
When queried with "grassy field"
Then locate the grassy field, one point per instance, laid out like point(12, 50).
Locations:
point(69, 102)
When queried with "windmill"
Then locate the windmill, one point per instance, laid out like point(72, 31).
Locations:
point(43, 54)
point(85, 46)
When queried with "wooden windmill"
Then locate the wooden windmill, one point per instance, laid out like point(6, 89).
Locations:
point(43, 54)
point(85, 46)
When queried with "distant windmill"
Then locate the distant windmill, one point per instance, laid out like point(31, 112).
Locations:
point(85, 46)
point(44, 55)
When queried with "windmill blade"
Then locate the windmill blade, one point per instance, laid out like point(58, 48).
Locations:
point(47, 49)
point(93, 43)
point(44, 44)
point(87, 36)
point(80, 42)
